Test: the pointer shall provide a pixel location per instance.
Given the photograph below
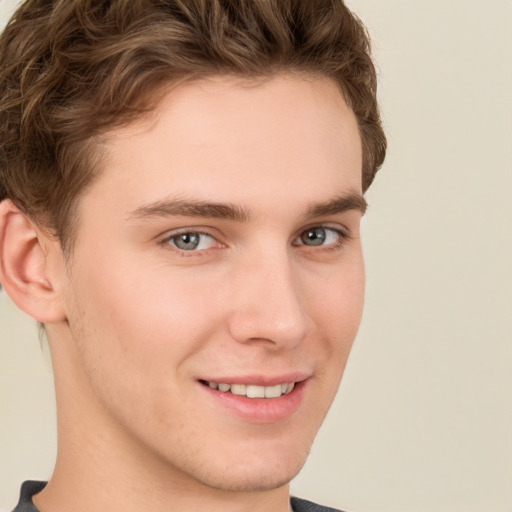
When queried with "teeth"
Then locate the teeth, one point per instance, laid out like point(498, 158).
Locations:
point(252, 391)
point(273, 391)
point(238, 389)
point(255, 391)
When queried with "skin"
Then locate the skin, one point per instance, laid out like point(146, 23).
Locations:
point(137, 322)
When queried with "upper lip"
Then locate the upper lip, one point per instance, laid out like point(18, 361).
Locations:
point(259, 379)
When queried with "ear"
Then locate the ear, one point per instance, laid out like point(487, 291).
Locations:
point(23, 266)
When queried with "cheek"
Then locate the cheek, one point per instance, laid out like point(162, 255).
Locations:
point(340, 302)
point(139, 320)
point(337, 310)
point(135, 295)
point(136, 334)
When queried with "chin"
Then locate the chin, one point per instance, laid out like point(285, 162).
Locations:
point(249, 478)
point(249, 471)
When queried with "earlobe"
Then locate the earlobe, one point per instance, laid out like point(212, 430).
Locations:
point(23, 266)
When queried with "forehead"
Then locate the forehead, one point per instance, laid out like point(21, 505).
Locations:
point(230, 137)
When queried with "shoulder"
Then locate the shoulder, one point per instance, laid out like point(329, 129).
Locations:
point(299, 505)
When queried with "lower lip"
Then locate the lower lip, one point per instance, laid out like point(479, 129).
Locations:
point(260, 410)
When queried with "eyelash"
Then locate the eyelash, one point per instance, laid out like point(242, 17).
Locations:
point(343, 237)
point(166, 242)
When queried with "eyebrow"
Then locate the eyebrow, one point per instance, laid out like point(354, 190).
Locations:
point(194, 208)
point(205, 209)
point(343, 203)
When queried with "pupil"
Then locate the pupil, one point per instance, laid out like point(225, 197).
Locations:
point(314, 236)
point(187, 241)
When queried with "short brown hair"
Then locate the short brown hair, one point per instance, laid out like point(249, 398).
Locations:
point(71, 70)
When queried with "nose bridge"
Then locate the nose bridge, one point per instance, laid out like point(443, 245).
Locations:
point(267, 303)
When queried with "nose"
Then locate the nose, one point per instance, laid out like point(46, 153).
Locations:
point(267, 304)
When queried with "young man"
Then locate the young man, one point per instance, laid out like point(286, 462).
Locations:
point(182, 186)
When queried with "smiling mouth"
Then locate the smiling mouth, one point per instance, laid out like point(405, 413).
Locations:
point(251, 390)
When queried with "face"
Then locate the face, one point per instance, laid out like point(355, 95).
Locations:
point(216, 285)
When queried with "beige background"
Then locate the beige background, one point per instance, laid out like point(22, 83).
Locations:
point(423, 421)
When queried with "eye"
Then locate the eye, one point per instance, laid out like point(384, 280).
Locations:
point(191, 241)
point(320, 235)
